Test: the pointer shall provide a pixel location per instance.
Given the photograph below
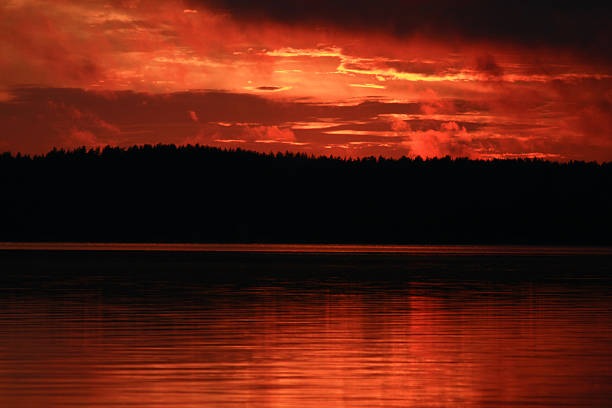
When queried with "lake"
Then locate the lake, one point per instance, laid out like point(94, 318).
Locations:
point(140, 325)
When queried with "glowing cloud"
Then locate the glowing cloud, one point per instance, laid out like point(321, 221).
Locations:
point(207, 72)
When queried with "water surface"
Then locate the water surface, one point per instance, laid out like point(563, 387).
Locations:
point(84, 327)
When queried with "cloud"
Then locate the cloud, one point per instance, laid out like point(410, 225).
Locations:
point(267, 88)
point(582, 27)
point(449, 77)
point(157, 47)
point(574, 122)
point(487, 65)
point(265, 134)
point(193, 116)
point(375, 86)
point(77, 137)
point(41, 44)
point(399, 125)
point(36, 125)
point(449, 140)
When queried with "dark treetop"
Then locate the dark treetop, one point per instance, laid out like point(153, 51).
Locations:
point(166, 193)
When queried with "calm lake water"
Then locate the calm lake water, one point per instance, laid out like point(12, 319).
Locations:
point(268, 326)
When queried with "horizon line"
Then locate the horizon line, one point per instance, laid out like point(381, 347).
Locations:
point(446, 249)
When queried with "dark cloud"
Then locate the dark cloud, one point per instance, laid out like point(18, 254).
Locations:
point(580, 26)
point(268, 88)
point(487, 65)
point(37, 119)
point(209, 106)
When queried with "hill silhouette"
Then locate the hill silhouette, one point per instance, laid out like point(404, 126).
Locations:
point(166, 193)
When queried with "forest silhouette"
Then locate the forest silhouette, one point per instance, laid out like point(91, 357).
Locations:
point(166, 193)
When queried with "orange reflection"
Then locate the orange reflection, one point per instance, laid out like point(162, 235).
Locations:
point(275, 347)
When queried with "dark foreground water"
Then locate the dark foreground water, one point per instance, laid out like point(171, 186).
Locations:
point(428, 328)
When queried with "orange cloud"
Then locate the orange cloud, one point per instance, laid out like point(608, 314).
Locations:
point(136, 68)
point(266, 134)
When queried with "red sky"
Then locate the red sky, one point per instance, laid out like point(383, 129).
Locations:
point(357, 79)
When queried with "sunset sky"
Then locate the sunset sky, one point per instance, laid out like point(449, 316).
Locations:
point(474, 79)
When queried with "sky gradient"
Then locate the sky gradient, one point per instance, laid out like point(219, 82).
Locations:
point(390, 78)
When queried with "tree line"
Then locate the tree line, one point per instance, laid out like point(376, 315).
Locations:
point(168, 193)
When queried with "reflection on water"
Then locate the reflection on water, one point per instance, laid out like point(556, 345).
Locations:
point(184, 330)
